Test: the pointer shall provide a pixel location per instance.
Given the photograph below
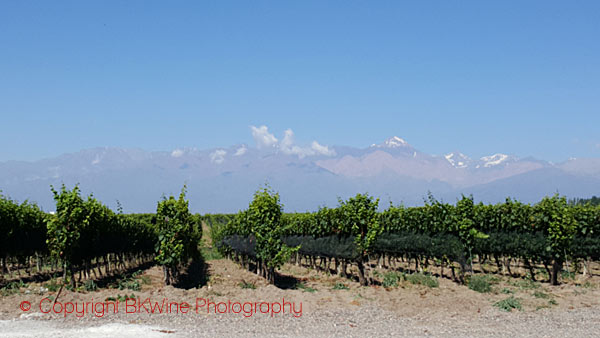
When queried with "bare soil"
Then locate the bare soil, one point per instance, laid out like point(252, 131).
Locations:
point(330, 306)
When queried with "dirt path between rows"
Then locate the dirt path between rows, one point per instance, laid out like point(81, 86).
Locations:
point(236, 302)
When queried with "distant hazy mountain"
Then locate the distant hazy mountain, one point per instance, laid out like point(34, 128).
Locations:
point(224, 179)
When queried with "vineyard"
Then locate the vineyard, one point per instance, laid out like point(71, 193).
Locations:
point(85, 240)
point(550, 235)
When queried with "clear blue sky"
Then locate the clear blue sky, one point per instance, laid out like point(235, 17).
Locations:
point(519, 77)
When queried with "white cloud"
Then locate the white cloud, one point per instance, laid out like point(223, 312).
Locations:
point(287, 145)
point(241, 151)
point(218, 156)
point(262, 137)
point(321, 149)
point(288, 141)
point(177, 153)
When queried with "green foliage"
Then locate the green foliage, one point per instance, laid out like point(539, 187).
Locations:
point(247, 285)
point(464, 215)
point(178, 235)
point(422, 279)
point(540, 294)
point(52, 285)
point(129, 283)
point(64, 230)
point(479, 283)
point(12, 288)
point(90, 285)
point(359, 218)
point(567, 275)
point(548, 232)
point(82, 230)
point(213, 220)
point(304, 287)
point(509, 304)
point(525, 284)
point(264, 214)
point(210, 254)
point(120, 298)
point(220, 231)
point(391, 279)
point(256, 232)
point(340, 286)
point(589, 285)
point(23, 229)
point(555, 217)
point(593, 201)
point(146, 280)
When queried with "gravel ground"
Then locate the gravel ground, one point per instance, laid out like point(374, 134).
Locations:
point(364, 321)
point(449, 310)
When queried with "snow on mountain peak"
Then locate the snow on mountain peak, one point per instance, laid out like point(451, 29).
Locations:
point(490, 161)
point(395, 141)
point(392, 142)
point(458, 160)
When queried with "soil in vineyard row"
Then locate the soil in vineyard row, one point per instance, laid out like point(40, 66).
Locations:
point(401, 292)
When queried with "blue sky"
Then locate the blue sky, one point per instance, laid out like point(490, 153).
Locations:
point(479, 77)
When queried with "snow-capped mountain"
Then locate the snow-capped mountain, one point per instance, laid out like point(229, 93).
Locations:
point(489, 161)
point(224, 179)
point(495, 160)
point(392, 142)
point(458, 159)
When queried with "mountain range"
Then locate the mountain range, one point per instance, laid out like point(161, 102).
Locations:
point(224, 179)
